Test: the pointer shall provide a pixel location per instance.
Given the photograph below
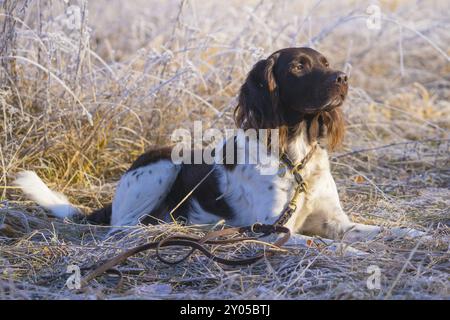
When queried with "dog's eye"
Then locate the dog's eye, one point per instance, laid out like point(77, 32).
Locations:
point(296, 68)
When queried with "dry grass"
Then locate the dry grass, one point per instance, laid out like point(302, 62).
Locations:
point(79, 101)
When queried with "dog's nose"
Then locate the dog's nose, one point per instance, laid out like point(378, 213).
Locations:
point(340, 78)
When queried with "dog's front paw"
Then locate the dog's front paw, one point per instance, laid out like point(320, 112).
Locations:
point(361, 232)
point(406, 233)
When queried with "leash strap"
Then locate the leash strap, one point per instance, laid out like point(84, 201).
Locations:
point(197, 243)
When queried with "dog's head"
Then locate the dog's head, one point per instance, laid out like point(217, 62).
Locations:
point(291, 86)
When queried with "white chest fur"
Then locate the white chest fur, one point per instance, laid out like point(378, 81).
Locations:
point(256, 196)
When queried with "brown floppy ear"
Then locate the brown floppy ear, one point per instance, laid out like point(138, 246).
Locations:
point(258, 99)
point(270, 79)
point(329, 127)
point(335, 128)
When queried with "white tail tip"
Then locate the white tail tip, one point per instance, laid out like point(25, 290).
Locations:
point(38, 191)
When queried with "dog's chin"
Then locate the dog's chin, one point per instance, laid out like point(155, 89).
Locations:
point(329, 105)
point(333, 104)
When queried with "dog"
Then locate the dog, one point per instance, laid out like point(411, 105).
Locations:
point(294, 91)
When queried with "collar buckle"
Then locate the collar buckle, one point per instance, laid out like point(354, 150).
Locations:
point(299, 166)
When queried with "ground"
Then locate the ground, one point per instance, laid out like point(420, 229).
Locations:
point(87, 86)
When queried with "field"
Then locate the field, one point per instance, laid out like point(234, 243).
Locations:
point(85, 87)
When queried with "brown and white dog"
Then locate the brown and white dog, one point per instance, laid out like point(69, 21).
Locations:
point(295, 91)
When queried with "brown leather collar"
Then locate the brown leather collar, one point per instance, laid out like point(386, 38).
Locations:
point(296, 167)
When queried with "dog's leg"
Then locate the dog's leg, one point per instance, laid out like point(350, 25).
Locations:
point(339, 227)
point(325, 218)
point(322, 214)
point(141, 191)
point(330, 223)
point(364, 232)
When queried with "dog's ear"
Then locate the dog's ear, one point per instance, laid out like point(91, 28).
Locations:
point(258, 105)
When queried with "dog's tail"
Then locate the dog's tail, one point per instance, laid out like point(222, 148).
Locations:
point(38, 191)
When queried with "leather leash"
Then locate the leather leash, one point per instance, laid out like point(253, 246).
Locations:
point(213, 237)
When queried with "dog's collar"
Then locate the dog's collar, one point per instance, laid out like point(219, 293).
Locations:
point(296, 167)
point(301, 184)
